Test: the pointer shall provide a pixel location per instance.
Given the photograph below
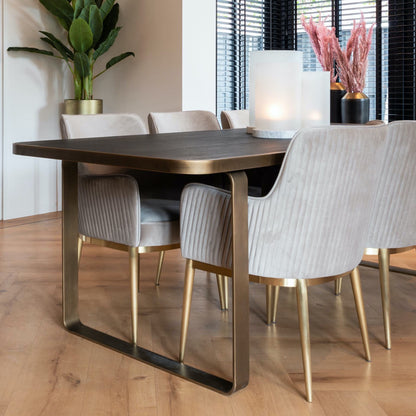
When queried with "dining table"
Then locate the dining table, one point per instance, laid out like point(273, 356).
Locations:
point(229, 152)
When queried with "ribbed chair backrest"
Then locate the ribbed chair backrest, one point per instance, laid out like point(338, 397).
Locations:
point(315, 220)
point(181, 121)
point(235, 119)
point(100, 125)
point(93, 125)
point(393, 224)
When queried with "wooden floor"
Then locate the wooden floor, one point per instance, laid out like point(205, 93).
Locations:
point(45, 370)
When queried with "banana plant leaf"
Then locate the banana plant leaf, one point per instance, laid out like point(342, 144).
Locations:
point(58, 45)
point(62, 9)
point(110, 22)
point(117, 59)
point(80, 35)
point(32, 50)
point(106, 8)
point(79, 5)
point(95, 23)
point(106, 45)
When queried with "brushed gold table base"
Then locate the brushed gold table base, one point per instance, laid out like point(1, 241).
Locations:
point(72, 322)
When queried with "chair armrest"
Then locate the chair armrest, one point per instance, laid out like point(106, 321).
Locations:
point(206, 225)
point(109, 208)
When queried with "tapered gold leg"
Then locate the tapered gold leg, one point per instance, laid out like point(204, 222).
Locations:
point(338, 284)
point(223, 291)
point(159, 267)
point(186, 308)
point(80, 244)
point(384, 262)
point(359, 304)
point(272, 296)
point(303, 313)
point(134, 282)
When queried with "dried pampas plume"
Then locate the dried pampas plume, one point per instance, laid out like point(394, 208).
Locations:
point(352, 62)
point(322, 39)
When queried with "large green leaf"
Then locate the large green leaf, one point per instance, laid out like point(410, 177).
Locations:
point(96, 23)
point(110, 22)
point(32, 50)
point(106, 8)
point(62, 9)
point(82, 64)
point(80, 35)
point(99, 2)
point(85, 12)
point(58, 45)
point(107, 44)
point(117, 59)
point(79, 5)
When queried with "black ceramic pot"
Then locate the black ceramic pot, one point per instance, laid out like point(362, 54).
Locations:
point(337, 92)
point(355, 108)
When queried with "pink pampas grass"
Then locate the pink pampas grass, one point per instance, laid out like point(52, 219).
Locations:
point(322, 39)
point(352, 62)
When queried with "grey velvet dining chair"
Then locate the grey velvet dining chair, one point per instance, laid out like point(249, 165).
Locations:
point(182, 121)
point(311, 228)
point(393, 223)
point(111, 211)
point(234, 119)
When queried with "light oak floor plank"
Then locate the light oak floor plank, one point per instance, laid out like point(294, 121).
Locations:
point(48, 371)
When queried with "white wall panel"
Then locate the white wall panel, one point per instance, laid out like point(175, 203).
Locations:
point(198, 55)
point(1, 109)
point(33, 87)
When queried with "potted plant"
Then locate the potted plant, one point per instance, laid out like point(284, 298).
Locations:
point(351, 66)
point(92, 30)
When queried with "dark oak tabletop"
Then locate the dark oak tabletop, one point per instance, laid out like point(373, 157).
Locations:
point(202, 152)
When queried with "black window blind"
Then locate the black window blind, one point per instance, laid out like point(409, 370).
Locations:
point(243, 26)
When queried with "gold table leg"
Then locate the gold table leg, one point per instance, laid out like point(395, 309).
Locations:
point(73, 323)
point(240, 280)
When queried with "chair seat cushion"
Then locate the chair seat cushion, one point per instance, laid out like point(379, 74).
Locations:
point(158, 210)
point(159, 222)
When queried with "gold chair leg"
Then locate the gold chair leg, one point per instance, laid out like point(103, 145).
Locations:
point(134, 288)
point(359, 304)
point(186, 309)
point(384, 262)
point(80, 245)
point(222, 284)
point(272, 295)
point(303, 313)
point(338, 284)
point(159, 267)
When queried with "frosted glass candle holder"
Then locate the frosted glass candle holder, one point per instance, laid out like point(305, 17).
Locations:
point(316, 99)
point(275, 93)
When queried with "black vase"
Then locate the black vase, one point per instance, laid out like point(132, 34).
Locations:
point(355, 108)
point(337, 92)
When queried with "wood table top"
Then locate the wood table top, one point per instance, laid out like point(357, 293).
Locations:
point(201, 152)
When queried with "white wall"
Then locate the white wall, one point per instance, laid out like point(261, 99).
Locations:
point(1, 109)
point(173, 70)
point(33, 85)
point(198, 55)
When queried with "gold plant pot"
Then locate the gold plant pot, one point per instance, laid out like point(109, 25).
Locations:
point(83, 106)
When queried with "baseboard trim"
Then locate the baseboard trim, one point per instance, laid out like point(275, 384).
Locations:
point(16, 222)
